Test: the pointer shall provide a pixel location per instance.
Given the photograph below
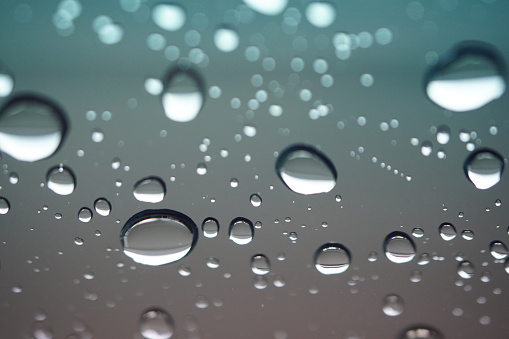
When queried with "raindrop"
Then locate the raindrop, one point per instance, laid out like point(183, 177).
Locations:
point(158, 237)
point(61, 180)
point(13, 178)
point(169, 17)
point(332, 258)
point(5, 206)
point(447, 231)
point(393, 305)
point(184, 270)
point(279, 281)
point(293, 236)
point(399, 248)
point(31, 128)
point(338, 198)
point(443, 134)
point(210, 228)
point(466, 80)
point(241, 231)
point(305, 170)
point(150, 189)
point(424, 259)
point(97, 135)
point(156, 324)
point(467, 234)
point(256, 200)
point(267, 7)
point(102, 207)
point(212, 262)
point(372, 256)
point(498, 203)
point(421, 333)
point(498, 250)
point(418, 232)
point(260, 264)
point(6, 81)
point(85, 214)
point(416, 276)
point(79, 241)
point(466, 269)
point(249, 130)
point(426, 148)
point(320, 14)
point(260, 282)
point(201, 169)
point(484, 168)
point(275, 110)
point(226, 39)
point(41, 331)
point(110, 33)
point(234, 182)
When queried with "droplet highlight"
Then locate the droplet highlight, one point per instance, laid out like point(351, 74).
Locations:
point(484, 168)
point(393, 305)
point(332, 258)
point(399, 247)
point(241, 231)
point(61, 180)
point(447, 231)
point(150, 190)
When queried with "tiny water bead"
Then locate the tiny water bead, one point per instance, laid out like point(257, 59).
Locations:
point(5, 206)
point(32, 128)
point(85, 214)
point(158, 237)
point(466, 269)
point(468, 79)
point(393, 305)
point(260, 264)
point(498, 250)
point(426, 148)
point(256, 200)
point(210, 227)
point(241, 231)
point(156, 324)
point(447, 231)
point(201, 168)
point(61, 180)
point(399, 247)
point(421, 332)
point(305, 170)
point(102, 207)
point(484, 168)
point(332, 258)
point(151, 189)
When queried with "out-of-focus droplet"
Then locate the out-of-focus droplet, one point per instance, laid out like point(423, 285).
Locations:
point(226, 39)
point(260, 264)
point(85, 214)
point(484, 168)
point(468, 79)
point(102, 207)
point(158, 237)
point(466, 269)
point(393, 305)
point(169, 17)
point(31, 128)
point(426, 148)
point(447, 231)
point(184, 270)
point(399, 248)
point(443, 134)
point(150, 190)
point(241, 231)
point(41, 330)
point(261, 282)
point(256, 200)
point(61, 180)
point(210, 228)
point(373, 256)
point(305, 170)
point(5, 206)
point(267, 7)
point(416, 276)
point(332, 258)
point(498, 250)
point(156, 324)
point(421, 332)
point(424, 259)
point(13, 178)
point(320, 14)
point(6, 81)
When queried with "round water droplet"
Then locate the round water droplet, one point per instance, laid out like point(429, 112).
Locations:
point(372, 256)
point(41, 330)
point(201, 168)
point(260, 264)
point(418, 232)
point(31, 128)
point(267, 7)
point(234, 182)
point(256, 200)
point(305, 170)
point(210, 227)
point(79, 241)
point(158, 237)
point(421, 332)
point(5, 206)
point(169, 17)
point(443, 134)
point(212, 262)
point(393, 305)
point(466, 80)
point(150, 189)
point(261, 282)
point(241, 231)
point(156, 324)
point(416, 276)
point(426, 148)
point(85, 214)
point(399, 248)
point(466, 269)
point(498, 250)
point(184, 270)
point(61, 180)
point(467, 234)
point(320, 14)
point(447, 231)
point(484, 168)
point(226, 39)
point(332, 258)
point(183, 94)
point(102, 207)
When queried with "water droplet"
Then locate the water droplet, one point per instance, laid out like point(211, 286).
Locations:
point(169, 17)
point(234, 182)
point(372, 256)
point(241, 231)
point(156, 324)
point(40, 330)
point(31, 128)
point(78, 241)
point(183, 94)
point(5, 206)
point(293, 236)
point(260, 264)
point(416, 276)
point(418, 232)
point(424, 259)
point(466, 269)
point(305, 170)
point(466, 80)
point(332, 258)
point(150, 189)
point(498, 250)
point(260, 282)
point(267, 7)
point(426, 148)
point(421, 333)
point(447, 231)
point(320, 14)
point(338, 198)
point(498, 203)
point(61, 180)
point(201, 168)
point(256, 200)
point(226, 39)
point(443, 134)
point(399, 248)
point(13, 178)
point(484, 168)
point(279, 281)
point(158, 237)
point(210, 227)
point(184, 270)
point(212, 262)
point(467, 234)
point(393, 305)
point(102, 207)
point(249, 130)
point(85, 214)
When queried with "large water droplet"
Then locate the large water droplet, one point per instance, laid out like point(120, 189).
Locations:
point(226, 39)
point(183, 94)
point(31, 128)
point(306, 170)
point(61, 180)
point(85, 214)
point(399, 248)
point(158, 237)
point(468, 79)
point(320, 14)
point(421, 333)
point(484, 168)
point(447, 231)
point(169, 17)
point(260, 264)
point(267, 7)
point(102, 206)
point(393, 305)
point(241, 231)
point(156, 324)
point(150, 189)
point(4, 205)
point(332, 258)
point(466, 269)
point(210, 228)
point(498, 250)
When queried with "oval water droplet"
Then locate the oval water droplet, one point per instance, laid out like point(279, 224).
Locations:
point(447, 231)
point(156, 324)
point(320, 14)
point(212, 262)
point(260, 264)
point(418, 232)
point(226, 39)
point(85, 214)
point(210, 227)
point(241, 231)
point(158, 237)
point(61, 180)
point(467, 234)
point(305, 170)
point(169, 17)
point(484, 168)
point(466, 269)
point(256, 200)
point(468, 79)
point(421, 332)
point(102, 207)
point(498, 250)
point(443, 134)
point(332, 258)
point(5, 206)
point(426, 148)
point(151, 189)
point(393, 305)
point(399, 248)
point(267, 7)
point(183, 94)
point(31, 128)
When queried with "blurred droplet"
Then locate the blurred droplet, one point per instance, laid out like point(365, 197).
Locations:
point(170, 17)
point(484, 168)
point(150, 190)
point(320, 14)
point(226, 39)
point(156, 324)
point(443, 134)
point(399, 248)
point(332, 258)
point(421, 333)
point(6, 81)
point(183, 94)
point(267, 7)
point(241, 231)
point(61, 180)
point(466, 269)
point(426, 148)
point(393, 305)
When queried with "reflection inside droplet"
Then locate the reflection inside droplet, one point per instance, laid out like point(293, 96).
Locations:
point(484, 168)
point(332, 259)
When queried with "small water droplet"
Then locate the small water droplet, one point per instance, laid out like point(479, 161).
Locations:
point(293, 236)
point(156, 324)
point(241, 231)
point(418, 232)
point(256, 200)
point(399, 248)
point(443, 134)
point(421, 333)
point(184, 270)
point(226, 39)
point(466, 269)
point(78, 241)
point(249, 130)
point(484, 168)
point(5, 206)
point(260, 264)
point(424, 259)
point(279, 281)
point(467, 234)
point(212, 262)
point(332, 258)
point(61, 180)
point(498, 203)
point(85, 214)
point(426, 148)
point(272, 7)
point(372, 256)
point(261, 282)
point(41, 330)
point(415, 276)
point(97, 135)
point(498, 250)
point(338, 198)
point(150, 190)
point(393, 305)
point(201, 168)
point(447, 231)
point(320, 14)
point(210, 227)
point(169, 17)
point(102, 207)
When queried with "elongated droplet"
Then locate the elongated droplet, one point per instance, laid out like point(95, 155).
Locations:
point(183, 95)
point(399, 248)
point(61, 180)
point(31, 128)
point(5, 206)
point(421, 333)
point(466, 80)
point(210, 227)
point(332, 258)
point(393, 305)
point(85, 214)
point(305, 170)
point(256, 200)
point(150, 189)
point(158, 237)
point(102, 206)
point(156, 324)
point(466, 269)
point(484, 168)
point(241, 231)
point(447, 231)
point(267, 7)
point(260, 264)
point(498, 250)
